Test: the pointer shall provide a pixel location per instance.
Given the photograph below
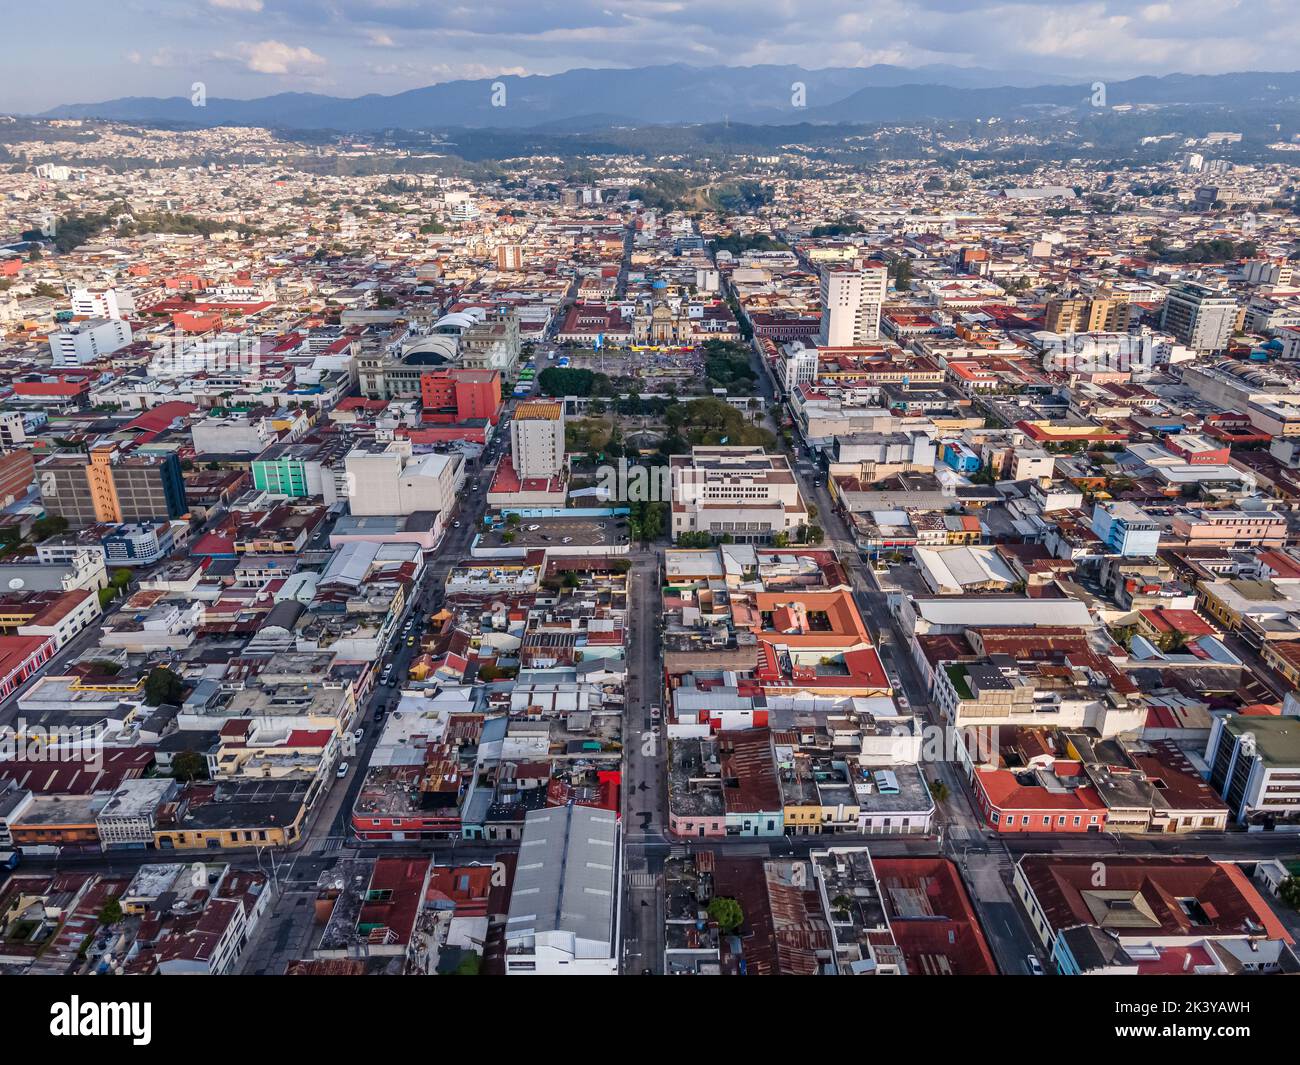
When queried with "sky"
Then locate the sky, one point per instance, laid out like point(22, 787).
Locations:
point(80, 51)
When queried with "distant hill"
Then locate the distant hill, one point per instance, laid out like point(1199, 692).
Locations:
point(679, 94)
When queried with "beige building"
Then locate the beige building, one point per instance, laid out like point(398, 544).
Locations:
point(537, 440)
point(1087, 316)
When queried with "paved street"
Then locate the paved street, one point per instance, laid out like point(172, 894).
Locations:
point(644, 791)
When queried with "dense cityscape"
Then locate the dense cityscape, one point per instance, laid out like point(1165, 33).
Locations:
point(724, 550)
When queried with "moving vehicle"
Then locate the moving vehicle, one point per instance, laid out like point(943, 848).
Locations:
point(1034, 966)
point(342, 770)
point(359, 734)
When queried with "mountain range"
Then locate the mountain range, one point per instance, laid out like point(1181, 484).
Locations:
point(677, 94)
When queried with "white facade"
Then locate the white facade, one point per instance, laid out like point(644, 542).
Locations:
point(394, 481)
point(106, 304)
point(798, 366)
point(851, 297)
point(537, 443)
point(81, 342)
point(736, 491)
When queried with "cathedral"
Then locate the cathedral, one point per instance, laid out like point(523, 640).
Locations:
point(662, 323)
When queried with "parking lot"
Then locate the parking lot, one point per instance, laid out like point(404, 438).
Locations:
point(558, 533)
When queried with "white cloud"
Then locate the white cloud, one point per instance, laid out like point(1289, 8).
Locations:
point(275, 57)
point(380, 39)
point(237, 5)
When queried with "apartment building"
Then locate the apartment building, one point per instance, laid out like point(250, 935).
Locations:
point(110, 486)
point(1200, 316)
point(1096, 315)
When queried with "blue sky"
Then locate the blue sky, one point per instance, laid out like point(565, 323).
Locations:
point(66, 51)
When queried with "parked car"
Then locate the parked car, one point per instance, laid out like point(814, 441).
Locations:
point(359, 734)
point(1034, 966)
point(342, 770)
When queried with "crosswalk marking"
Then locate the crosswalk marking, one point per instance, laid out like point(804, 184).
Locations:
point(643, 881)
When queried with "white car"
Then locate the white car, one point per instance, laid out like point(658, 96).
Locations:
point(342, 770)
point(359, 734)
point(1034, 966)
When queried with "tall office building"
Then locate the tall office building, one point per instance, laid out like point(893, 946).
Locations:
point(1200, 316)
point(852, 295)
point(537, 440)
point(107, 486)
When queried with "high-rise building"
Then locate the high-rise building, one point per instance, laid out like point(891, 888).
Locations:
point(108, 486)
point(1087, 316)
point(537, 440)
point(851, 296)
point(1200, 316)
point(78, 343)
